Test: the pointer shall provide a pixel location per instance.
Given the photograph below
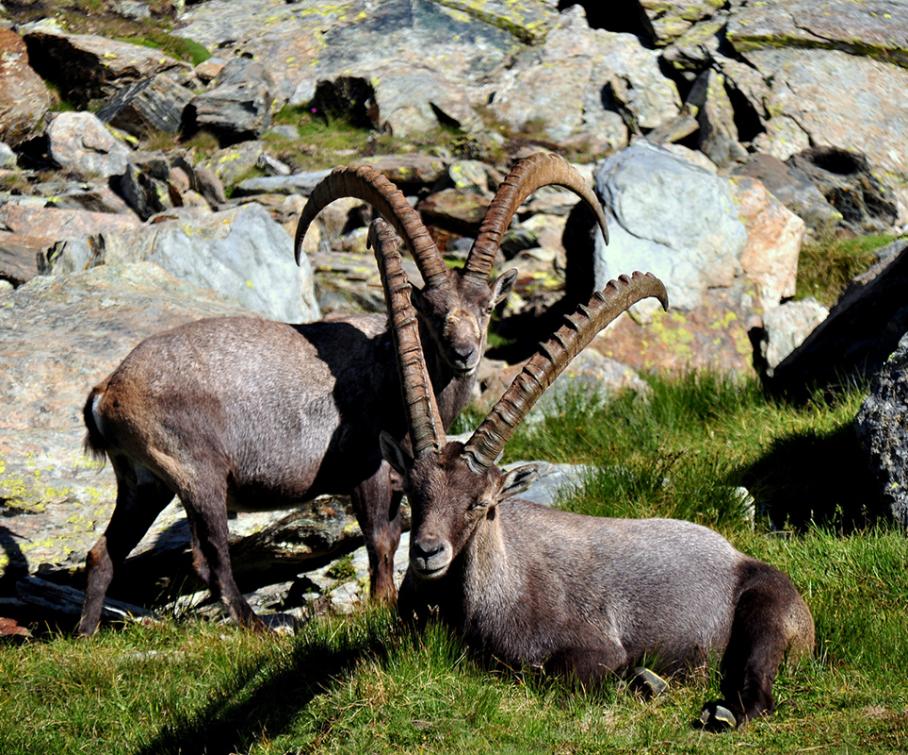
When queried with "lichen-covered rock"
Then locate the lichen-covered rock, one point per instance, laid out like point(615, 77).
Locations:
point(882, 427)
point(58, 337)
point(81, 145)
point(718, 135)
point(830, 99)
point(24, 98)
point(871, 28)
point(725, 250)
point(672, 19)
point(88, 67)
point(241, 253)
point(586, 84)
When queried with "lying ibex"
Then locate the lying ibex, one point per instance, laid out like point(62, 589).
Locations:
point(580, 595)
point(248, 414)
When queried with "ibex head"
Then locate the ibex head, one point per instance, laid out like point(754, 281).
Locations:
point(455, 306)
point(454, 488)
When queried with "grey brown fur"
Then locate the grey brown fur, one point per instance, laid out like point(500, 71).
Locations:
point(587, 596)
point(243, 413)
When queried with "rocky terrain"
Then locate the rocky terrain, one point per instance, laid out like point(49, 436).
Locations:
point(155, 156)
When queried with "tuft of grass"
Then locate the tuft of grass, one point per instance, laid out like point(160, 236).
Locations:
point(683, 450)
point(181, 48)
point(826, 267)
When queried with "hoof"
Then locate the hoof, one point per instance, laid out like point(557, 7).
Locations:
point(716, 717)
point(647, 682)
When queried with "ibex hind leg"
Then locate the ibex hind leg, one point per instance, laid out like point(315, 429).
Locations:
point(140, 498)
point(373, 501)
point(206, 508)
point(770, 620)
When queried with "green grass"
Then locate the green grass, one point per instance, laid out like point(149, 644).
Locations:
point(826, 267)
point(363, 683)
point(173, 45)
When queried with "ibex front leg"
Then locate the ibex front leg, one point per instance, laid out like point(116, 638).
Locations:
point(372, 501)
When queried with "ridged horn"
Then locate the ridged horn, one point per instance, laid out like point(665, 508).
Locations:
point(483, 448)
point(530, 174)
point(426, 429)
point(366, 183)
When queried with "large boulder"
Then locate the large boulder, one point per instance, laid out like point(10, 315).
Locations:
point(414, 64)
point(48, 224)
point(24, 98)
point(81, 145)
point(882, 427)
point(58, 337)
point(726, 249)
point(831, 99)
point(242, 254)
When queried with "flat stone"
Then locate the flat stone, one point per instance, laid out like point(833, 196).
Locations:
point(871, 28)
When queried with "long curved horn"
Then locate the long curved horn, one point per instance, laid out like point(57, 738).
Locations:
point(426, 429)
point(366, 183)
point(553, 356)
point(536, 171)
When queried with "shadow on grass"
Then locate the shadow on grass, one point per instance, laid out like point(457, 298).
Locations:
point(816, 477)
point(264, 704)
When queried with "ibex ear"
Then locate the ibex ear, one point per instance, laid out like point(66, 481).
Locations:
point(396, 456)
point(503, 285)
point(517, 480)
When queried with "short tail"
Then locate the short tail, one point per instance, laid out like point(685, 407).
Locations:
point(94, 442)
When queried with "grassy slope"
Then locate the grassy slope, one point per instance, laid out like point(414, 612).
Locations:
point(362, 684)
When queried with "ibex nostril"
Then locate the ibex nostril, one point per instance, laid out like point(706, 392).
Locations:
point(427, 548)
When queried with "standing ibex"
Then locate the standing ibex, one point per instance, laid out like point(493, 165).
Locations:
point(580, 595)
point(248, 414)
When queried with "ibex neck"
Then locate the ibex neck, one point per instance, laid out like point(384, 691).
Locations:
point(490, 583)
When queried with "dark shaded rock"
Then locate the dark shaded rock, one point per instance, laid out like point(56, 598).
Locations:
point(145, 185)
point(793, 187)
point(156, 104)
point(847, 182)
point(718, 135)
point(862, 330)
point(24, 98)
point(239, 105)
point(87, 67)
point(882, 428)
